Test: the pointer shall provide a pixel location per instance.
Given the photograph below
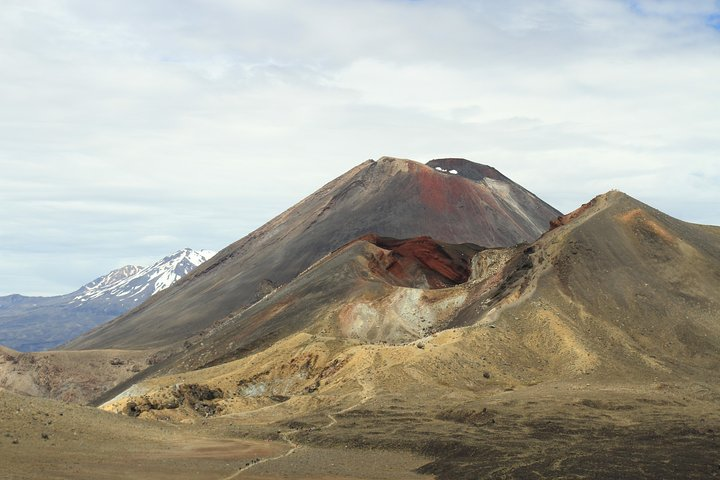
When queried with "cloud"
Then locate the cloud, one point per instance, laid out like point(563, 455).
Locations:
point(191, 123)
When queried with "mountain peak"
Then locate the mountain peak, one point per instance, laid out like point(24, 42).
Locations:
point(466, 168)
point(460, 167)
point(392, 165)
point(39, 323)
point(113, 277)
point(599, 202)
point(135, 284)
point(197, 256)
point(392, 197)
point(616, 196)
point(389, 159)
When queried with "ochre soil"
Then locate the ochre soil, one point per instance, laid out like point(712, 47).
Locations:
point(45, 439)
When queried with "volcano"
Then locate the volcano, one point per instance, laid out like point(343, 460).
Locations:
point(451, 200)
point(592, 351)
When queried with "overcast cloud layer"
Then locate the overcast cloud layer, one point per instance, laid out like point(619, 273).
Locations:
point(131, 129)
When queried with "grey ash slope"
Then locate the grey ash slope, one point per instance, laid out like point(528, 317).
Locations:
point(41, 323)
point(390, 197)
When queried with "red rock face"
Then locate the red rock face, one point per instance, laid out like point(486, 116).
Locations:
point(422, 261)
point(443, 193)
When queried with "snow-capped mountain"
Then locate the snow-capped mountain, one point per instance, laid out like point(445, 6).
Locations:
point(40, 323)
point(113, 278)
point(132, 285)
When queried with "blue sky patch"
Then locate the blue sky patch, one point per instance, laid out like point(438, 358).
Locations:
point(713, 21)
point(635, 7)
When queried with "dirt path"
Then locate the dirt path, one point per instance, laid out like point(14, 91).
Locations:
point(285, 436)
point(365, 394)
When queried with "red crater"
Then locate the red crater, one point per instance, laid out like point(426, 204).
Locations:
point(424, 262)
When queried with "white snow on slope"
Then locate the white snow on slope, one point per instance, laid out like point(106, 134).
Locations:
point(136, 284)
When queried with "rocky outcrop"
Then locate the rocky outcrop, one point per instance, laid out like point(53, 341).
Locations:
point(424, 262)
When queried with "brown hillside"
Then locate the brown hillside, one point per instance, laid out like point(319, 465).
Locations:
point(594, 352)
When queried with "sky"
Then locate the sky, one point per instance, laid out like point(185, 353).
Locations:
point(131, 129)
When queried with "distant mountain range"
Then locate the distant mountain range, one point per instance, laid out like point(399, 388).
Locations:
point(41, 323)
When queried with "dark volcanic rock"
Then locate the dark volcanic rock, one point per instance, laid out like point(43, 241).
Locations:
point(467, 169)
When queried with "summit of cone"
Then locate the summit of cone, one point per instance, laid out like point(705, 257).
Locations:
point(390, 197)
point(467, 169)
